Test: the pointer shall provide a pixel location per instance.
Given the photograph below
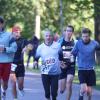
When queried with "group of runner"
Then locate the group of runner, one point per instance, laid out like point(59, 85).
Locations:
point(12, 47)
point(58, 62)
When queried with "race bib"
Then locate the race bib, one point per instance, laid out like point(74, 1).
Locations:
point(50, 61)
point(13, 67)
point(47, 66)
point(45, 69)
point(66, 54)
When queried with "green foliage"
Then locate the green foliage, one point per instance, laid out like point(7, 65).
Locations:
point(21, 11)
point(98, 77)
point(97, 70)
point(79, 13)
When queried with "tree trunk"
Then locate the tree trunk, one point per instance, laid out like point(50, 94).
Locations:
point(97, 26)
point(37, 26)
point(61, 17)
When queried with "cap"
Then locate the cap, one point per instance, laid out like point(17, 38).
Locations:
point(1, 19)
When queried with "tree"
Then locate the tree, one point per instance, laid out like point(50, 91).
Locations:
point(97, 25)
point(76, 12)
point(19, 11)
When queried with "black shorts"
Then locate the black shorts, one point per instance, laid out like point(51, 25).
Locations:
point(87, 76)
point(66, 71)
point(20, 70)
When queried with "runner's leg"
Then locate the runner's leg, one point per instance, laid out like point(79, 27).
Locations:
point(69, 85)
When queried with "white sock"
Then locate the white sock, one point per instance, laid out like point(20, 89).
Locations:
point(2, 89)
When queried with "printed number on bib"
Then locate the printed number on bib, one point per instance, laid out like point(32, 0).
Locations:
point(48, 65)
point(45, 69)
point(13, 67)
point(66, 54)
point(50, 61)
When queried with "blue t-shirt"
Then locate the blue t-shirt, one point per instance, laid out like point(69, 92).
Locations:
point(10, 45)
point(85, 54)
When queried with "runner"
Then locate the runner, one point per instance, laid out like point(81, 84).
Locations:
point(7, 49)
point(18, 69)
point(50, 69)
point(85, 51)
point(34, 42)
point(67, 62)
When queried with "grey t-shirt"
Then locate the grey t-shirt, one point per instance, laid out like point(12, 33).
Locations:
point(49, 56)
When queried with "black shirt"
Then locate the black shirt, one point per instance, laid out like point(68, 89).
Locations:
point(66, 47)
point(21, 43)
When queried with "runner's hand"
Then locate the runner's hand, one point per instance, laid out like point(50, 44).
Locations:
point(62, 64)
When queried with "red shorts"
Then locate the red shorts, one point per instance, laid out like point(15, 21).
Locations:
point(5, 71)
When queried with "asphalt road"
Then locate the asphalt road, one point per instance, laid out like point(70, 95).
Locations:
point(34, 90)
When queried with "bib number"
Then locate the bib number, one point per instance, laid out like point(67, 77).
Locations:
point(45, 68)
point(66, 54)
point(13, 67)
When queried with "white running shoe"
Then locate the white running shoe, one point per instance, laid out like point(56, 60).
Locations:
point(3, 96)
point(15, 99)
point(21, 93)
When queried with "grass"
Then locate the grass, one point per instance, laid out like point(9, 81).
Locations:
point(76, 81)
point(97, 77)
point(33, 70)
point(76, 75)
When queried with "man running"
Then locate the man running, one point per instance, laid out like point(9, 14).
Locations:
point(50, 69)
point(18, 69)
point(67, 62)
point(7, 49)
point(85, 51)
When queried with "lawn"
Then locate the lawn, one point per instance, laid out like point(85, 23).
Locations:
point(97, 77)
point(76, 75)
point(33, 70)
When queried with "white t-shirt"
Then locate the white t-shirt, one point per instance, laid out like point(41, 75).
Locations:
point(49, 57)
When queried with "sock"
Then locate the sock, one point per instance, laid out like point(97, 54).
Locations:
point(81, 96)
point(2, 89)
